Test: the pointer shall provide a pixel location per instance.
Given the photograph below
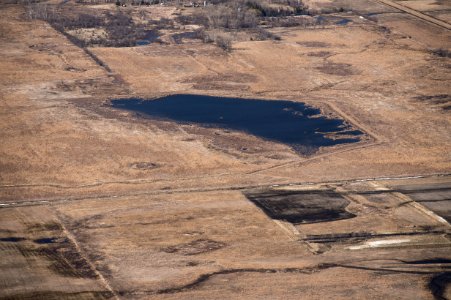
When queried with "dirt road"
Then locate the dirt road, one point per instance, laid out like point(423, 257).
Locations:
point(416, 13)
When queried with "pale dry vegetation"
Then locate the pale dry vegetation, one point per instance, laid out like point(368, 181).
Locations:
point(218, 21)
point(120, 28)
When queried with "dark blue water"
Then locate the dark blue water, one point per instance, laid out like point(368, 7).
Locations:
point(291, 123)
point(178, 38)
point(12, 239)
point(45, 240)
point(343, 22)
point(150, 37)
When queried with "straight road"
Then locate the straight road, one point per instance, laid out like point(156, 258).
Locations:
point(416, 13)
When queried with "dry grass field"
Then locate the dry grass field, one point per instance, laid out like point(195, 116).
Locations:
point(100, 203)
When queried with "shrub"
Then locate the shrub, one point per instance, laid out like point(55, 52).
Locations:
point(441, 52)
point(263, 34)
point(224, 42)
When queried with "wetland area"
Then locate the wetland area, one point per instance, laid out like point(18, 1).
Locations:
point(295, 124)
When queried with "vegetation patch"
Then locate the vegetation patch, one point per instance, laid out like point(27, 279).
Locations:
point(144, 165)
point(50, 226)
point(299, 207)
point(89, 27)
point(337, 69)
point(217, 22)
point(62, 254)
point(314, 44)
point(55, 295)
point(195, 247)
point(320, 54)
point(439, 101)
point(441, 52)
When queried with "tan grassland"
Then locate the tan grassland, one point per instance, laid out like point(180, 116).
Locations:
point(148, 209)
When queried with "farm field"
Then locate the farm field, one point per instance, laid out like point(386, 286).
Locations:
point(109, 191)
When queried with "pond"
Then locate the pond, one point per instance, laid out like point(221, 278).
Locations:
point(292, 123)
point(150, 37)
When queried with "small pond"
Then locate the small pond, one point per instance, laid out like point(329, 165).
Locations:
point(150, 37)
point(292, 123)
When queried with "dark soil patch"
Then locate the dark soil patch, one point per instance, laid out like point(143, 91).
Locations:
point(440, 101)
point(314, 44)
point(195, 247)
point(438, 284)
point(435, 99)
point(224, 77)
point(336, 69)
point(440, 2)
point(301, 207)
point(144, 165)
point(61, 252)
point(54, 295)
point(441, 52)
point(66, 260)
point(319, 54)
point(50, 226)
point(204, 277)
point(44, 47)
point(222, 86)
point(192, 35)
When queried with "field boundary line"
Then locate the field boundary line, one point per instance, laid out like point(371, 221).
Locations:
point(80, 251)
point(416, 13)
